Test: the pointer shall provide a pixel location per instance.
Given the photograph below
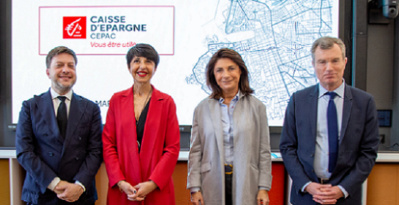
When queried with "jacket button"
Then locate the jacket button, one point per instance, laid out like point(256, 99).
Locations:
point(80, 138)
point(76, 158)
point(51, 154)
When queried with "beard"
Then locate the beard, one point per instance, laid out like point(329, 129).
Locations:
point(63, 87)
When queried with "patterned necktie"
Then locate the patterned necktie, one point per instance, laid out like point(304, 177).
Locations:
point(332, 124)
point(62, 116)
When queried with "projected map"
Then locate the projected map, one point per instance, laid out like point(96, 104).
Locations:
point(273, 36)
point(274, 39)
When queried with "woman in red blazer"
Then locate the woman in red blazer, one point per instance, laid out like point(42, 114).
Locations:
point(141, 138)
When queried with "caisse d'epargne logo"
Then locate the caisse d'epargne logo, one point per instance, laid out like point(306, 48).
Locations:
point(74, 27)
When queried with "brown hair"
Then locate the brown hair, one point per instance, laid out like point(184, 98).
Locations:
point(327, 42)
point(243, 84)
point(57, 51)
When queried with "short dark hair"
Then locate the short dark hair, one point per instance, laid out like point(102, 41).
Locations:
point(57, 51)
point(327, 42)
point(243, 84)
point(142, 50)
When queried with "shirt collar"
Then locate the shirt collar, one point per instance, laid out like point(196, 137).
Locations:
point(54, 94)
point(339, 91)
point(235, 99)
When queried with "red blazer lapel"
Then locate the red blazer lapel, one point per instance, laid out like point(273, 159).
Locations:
point(151, 133)
point(152, 124)
point(128, 126)
point(128, 121)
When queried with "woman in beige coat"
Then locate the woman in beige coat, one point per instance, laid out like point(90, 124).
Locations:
point(229, 160)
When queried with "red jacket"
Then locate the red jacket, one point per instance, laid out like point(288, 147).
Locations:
point(159, 148)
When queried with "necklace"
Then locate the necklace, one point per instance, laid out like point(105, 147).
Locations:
point(146, 100)
point(144, 105)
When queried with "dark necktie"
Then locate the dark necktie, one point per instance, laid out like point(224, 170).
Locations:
point(62, 116)
point(332, 124)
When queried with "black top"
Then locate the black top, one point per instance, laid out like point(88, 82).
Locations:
point(141, 123)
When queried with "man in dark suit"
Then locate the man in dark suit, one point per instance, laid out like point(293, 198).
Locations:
point(58, 139)
point(330, 138)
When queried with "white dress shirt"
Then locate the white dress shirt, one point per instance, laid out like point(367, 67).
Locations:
point(56, 101)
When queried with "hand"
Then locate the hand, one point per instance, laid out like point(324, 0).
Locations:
point(59, 190)
point(127, 188)
point(143, 189)
point(329, 195)
point(316, 188)
point(196, 198)
point(263, 197)
point(69, 192)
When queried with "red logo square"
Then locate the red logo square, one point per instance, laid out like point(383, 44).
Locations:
point(74, 27)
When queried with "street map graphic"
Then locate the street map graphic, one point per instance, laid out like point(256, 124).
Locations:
point(274, 38)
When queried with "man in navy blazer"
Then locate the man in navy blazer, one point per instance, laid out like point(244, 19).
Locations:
point(305, 141)
point(60, 165)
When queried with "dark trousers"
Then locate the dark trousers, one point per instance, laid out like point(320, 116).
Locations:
point(229, 188)
point(56, 203)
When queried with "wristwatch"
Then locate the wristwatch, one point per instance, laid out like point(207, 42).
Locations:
point(193, 192)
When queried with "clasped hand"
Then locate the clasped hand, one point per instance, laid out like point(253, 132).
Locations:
point(324, 193)
point(138, 192)
point(69, 192)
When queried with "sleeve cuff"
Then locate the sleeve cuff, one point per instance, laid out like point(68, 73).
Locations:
point(54, 183)
point(80, 184)
point(194, 189)
point(263, 188)
point(304, 187)
point(343, 191)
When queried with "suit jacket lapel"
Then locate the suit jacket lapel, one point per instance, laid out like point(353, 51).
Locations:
point(215, 113)
point(46, 105)
point(346, 111)
point(76, 111)
point(312, 100)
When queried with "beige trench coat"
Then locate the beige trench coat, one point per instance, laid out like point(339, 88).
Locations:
point(252, 157)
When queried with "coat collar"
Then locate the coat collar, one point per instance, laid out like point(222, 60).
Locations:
point(156, 94)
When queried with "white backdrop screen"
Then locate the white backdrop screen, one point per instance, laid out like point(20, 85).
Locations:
point(273, 37)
